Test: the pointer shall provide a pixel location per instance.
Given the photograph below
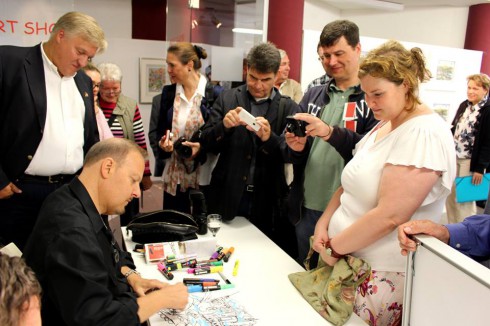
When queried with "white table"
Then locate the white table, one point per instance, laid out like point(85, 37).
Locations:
point(262, 281)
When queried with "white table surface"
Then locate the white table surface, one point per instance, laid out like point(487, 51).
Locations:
point(263, 286)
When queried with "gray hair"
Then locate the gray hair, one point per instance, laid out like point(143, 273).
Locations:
point(283, 53)
point(264, 58)
point(78, 24)
point(110, 72)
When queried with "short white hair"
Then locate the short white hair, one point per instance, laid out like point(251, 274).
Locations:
point(110, 72)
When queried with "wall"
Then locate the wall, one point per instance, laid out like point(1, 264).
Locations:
point(445, 27)
point(430, 25)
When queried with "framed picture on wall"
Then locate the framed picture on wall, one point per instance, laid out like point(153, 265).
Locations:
point(153, 76)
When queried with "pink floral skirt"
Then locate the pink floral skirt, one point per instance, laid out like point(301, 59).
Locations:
point(379, 299)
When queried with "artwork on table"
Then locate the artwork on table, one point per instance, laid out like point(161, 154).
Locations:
point(209, 309)
point(445, 70)
point(153, 76)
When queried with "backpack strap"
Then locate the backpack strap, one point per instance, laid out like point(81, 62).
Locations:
point(280, 114)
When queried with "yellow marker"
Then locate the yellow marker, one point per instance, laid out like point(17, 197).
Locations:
point(215, 269)
point(235, 268)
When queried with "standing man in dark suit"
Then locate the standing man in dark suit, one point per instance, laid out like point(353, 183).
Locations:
point(248, 179)
point(47, 119)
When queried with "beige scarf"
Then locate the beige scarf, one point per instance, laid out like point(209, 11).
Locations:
point(179, 167)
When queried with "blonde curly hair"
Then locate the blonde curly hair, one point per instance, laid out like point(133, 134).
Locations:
point(18, 284)
point(393, 62)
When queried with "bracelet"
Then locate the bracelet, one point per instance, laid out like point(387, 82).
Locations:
point(130, 272)
point(332, 252)
point(329, 132)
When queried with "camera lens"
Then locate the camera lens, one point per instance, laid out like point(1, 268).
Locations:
point(182, 150)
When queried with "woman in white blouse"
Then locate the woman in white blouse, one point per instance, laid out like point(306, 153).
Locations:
point(402, 170)
point(184, 109)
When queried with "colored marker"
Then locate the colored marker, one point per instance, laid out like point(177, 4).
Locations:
point(228, 254)
point(211, 263)
point(216, 253)
point(205, 270)
point(218, 287)
point(198, 288)
point(235, 268)
point(194, 288)
point(199, 280)
point(161, 267)
point(222, 254)
point(227, 281)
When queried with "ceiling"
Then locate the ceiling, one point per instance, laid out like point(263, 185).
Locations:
point(398, 5)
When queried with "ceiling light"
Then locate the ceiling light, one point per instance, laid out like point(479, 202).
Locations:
point(194, 23)
point(216, 21)
point(247, 31)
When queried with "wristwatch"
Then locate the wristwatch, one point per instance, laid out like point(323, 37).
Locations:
point(331, 252)
point(130, 272)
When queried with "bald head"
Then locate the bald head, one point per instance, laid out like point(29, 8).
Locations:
point(115, 148)
point(112, 173)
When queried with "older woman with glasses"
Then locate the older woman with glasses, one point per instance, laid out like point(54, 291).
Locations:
point(94, 74)
point(124, 119)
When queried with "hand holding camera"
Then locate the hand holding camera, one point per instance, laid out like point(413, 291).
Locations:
point(304, 124)
point(297, 127)
point(188, 148)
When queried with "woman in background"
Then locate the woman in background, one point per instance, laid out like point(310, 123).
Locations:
point(402, 170)
point(102, 126)
point(185, 108)
point(124, 120)
point(471, 130)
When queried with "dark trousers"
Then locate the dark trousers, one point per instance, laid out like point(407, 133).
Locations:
point(18, 214)
point(180, 202)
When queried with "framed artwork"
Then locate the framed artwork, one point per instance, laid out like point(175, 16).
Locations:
point(445, 70)
point(153, 76)
point(442, 109)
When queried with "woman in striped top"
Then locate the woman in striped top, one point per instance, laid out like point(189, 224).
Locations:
point(124, 119)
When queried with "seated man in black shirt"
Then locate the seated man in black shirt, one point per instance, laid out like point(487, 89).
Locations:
point(86, 278)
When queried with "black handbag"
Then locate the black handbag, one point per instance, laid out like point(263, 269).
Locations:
point(163, 226)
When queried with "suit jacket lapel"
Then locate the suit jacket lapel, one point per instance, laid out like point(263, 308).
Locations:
point(34, 69)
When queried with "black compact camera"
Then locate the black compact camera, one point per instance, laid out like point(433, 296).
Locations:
point(182, 150)
point(297, 127)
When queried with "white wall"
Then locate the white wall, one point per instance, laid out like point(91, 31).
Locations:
point(444, 27)
point(437, 26)
point(430, 25)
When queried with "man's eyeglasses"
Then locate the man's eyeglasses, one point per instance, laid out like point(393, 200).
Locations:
point(94, 86)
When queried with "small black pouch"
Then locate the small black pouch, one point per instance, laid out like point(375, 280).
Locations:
point(163, 226)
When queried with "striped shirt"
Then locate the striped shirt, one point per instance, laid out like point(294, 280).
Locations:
point(117, 131)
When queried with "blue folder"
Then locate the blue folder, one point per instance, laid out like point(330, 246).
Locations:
point(466, 191)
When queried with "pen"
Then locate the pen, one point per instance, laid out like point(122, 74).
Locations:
point(227, 281)
point(205, 270)
point(216, 254)
point(211, 263)
point(222, 254)
point(199, 288)
point(168, 275)
point(199, 280)
point(235, 268)
point(228, 254)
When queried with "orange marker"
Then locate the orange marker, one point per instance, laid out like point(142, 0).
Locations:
point(228, 254)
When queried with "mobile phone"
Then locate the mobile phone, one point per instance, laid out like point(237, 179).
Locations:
point(297, 127)
point(249, 119)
